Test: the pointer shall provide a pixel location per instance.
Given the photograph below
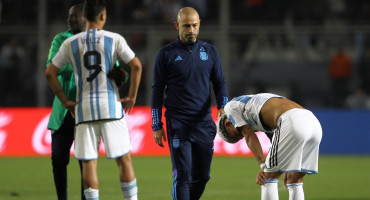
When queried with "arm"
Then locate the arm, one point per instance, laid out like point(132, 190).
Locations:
point(157, 99)
point(55, 44)
point(253, 143)
point(54, 48)
point(136, 68)
point(219, 84)
point(51, 76)
point(255, 146)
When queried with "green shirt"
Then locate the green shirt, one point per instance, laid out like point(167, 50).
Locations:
point(66, 79)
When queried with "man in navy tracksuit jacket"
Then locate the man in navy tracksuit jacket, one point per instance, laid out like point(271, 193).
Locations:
point(183, 70)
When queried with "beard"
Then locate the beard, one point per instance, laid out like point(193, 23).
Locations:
point(190, 40)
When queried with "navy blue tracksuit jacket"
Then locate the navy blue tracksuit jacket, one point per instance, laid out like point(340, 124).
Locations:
point(182, 73)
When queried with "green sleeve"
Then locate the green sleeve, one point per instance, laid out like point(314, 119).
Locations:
point(55, 44)
point(66, 79)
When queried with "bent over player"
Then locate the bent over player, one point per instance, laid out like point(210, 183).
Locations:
point(98, 111)
point(295, 144)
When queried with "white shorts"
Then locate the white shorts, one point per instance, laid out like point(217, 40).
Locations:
point(295, 145)
point(115, 136)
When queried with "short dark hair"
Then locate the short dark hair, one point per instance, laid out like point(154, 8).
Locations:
point(92, 8)
point(222, 132)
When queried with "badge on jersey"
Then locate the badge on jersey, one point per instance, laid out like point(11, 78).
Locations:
point(176, 143)
point(203, 54)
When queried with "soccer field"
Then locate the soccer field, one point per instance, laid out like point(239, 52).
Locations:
point(233, 178)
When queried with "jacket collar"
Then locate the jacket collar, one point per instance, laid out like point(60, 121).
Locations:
point(187, 46)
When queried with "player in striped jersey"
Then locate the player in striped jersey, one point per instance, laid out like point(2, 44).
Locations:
point(295, 145)
point(98, 111)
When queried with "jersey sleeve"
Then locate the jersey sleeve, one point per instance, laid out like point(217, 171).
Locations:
point(124, 51)
point(218, 81)
point(157, 90)
point(61, 58)
point(55, 44)
point(234, 113)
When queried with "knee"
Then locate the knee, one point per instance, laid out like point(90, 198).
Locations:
point(181, 181)
point(182, 176)
point(124, 160)
point(273, 175)
point(59, 159)
point(200, 180)
point(295, 177)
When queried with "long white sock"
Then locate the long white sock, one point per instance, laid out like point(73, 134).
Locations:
point(91, 194)
point(269, 191)
point(295, 191)
point(129, 190)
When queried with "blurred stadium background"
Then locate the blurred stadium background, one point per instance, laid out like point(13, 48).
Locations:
point(283, 46)
point(279, 46)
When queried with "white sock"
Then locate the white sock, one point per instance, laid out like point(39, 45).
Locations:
point(129, 190)
point(269, 191)
point(91, 194)
point(296, 191)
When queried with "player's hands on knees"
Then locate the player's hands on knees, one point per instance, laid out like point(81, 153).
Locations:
point(127, 103)
point(158, 135)
point(70, 105)
point(261, 177)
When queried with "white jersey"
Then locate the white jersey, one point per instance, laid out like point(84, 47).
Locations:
point(93, 54)
point(246, 109)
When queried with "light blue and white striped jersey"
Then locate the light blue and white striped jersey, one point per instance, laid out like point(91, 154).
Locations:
point(93, 54)
point(245, 109)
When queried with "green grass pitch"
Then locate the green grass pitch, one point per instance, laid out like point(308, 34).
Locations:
point(233, 178)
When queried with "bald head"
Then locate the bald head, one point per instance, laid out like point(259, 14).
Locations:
point(187, 24)
point(186, 12)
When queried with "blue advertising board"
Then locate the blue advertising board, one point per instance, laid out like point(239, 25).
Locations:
point(344, 131)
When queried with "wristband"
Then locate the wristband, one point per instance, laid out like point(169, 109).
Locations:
point(157, 127)
point(262, 165)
